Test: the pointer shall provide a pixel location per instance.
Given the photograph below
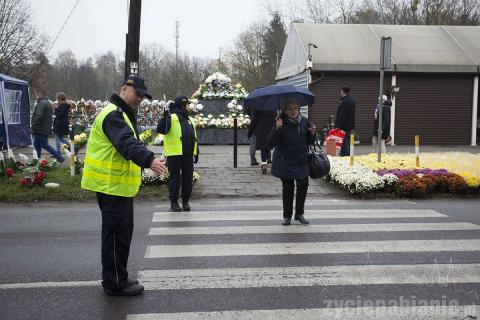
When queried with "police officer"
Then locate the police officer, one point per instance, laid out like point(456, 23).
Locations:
point(112, 169)
point(181, 149)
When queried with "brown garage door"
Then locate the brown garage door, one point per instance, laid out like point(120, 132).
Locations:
point(438, 107)
point(364, 91)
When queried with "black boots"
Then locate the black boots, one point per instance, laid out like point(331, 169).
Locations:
point(130, 290)
point(175, 207)
point(185, 205)
point(286, 222)
point(302, 219)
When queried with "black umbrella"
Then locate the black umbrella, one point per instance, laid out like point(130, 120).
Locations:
point(272, 98)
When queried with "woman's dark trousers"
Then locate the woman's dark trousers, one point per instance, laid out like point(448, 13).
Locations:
point(288, 186)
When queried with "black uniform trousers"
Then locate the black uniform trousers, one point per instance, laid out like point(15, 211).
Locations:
point(183, 163)
point(288, 186)
point(117, 231)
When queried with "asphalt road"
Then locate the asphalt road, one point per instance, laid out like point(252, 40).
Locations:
point(229, 259)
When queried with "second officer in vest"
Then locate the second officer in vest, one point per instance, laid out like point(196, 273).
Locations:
point(181, 149)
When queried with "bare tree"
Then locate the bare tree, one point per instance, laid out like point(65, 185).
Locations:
point(319, 11)
point(245, 59)
point(20, 42)
point(345, 10)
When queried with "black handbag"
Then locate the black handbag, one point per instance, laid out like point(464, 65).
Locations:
point(318, 163)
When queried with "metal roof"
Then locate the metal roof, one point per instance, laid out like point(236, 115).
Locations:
point(356, 47)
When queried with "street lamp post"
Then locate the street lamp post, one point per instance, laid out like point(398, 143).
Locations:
point(310, 62)
point(385, 63)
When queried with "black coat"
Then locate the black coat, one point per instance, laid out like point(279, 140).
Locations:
point(42, 117)
point(262, 123)
point(386, 116)
point(60, 124)
point(345, 119)
point(291, 143)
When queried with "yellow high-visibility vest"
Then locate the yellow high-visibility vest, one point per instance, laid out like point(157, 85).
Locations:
point(172, 143)
point(105, 169)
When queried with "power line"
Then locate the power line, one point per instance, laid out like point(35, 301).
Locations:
point(63, 26)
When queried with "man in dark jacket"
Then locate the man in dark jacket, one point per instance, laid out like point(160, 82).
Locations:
point(345, 119)
point(385, 125)
point(61, 122)
point(261, 125)
point(181, 149)
point(112, 169)
point(42, 126)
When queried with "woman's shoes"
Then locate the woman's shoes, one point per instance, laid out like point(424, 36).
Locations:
point(264, 168)
point(302, 219)
point(286, 222)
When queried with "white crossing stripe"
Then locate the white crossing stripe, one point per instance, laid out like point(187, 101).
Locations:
point(182, 279)
point(329, 313)
point(277, 215)
point(268, 203)
point(43, 285)
point(334, 228)
point(255, 249)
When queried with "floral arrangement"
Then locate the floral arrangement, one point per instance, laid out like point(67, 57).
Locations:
point(35, 178)
point(219, 86)
point(357, 179)
point(222, 121)
point(194, 106)
point(465, 164)
point(33, 171)
point(149, 177)
point(45, 165)
point(147, 136)
point(150, 111)
point(80, 140)
point(447, 173)
point(235, 109)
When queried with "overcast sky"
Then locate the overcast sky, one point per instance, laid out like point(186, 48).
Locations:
point(100, 25)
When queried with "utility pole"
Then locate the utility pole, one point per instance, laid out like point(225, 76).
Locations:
point(133, 38)
point(177, 36)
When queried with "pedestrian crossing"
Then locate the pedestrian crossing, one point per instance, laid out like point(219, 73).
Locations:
point(244, 262)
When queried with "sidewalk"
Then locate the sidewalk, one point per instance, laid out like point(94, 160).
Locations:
point(219, 179)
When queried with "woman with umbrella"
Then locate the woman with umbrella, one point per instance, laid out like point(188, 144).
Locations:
point(291, 137)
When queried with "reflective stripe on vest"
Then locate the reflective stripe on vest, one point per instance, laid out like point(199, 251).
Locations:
point(172, 143)
point(105, 169)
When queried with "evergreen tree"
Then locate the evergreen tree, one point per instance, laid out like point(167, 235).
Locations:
point(273, 43)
